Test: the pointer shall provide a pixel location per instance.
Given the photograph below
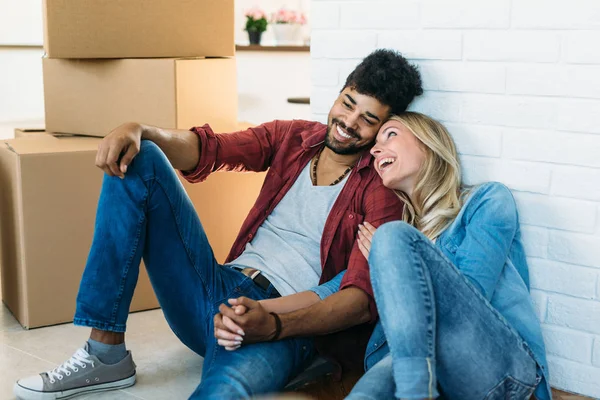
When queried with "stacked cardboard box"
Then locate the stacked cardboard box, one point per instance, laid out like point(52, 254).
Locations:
point(167, 63)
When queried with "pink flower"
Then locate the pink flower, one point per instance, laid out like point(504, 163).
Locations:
point(255, 13)
point(285, 16)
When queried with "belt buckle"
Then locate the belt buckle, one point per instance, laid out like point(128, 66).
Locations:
point(251, 273)
point(255, 274)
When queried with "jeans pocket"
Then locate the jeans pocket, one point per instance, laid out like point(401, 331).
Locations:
point(510, 389)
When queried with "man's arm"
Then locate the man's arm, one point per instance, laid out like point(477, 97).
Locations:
point(297, 301)
point(122, 144)
point(337, 312)
point(290, 303)
point(197, 152)
point(227, 332)
point(341, 310)
point(182, 147)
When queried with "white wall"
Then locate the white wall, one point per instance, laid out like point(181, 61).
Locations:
point(518, 85)
point(21, 88)
point(20, 22)
point(267, 79)
point(21, 96)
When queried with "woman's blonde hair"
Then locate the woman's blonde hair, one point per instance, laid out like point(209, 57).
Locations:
point(436, 198)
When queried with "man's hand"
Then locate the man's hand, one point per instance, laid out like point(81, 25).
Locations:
point(255, 323)
point(365, 236)
point(118, 148)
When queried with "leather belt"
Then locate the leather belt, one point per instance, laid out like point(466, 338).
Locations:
point(259, 279)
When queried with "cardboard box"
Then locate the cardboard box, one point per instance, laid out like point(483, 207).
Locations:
point(48, 201)
point(138, 28)
point(92, 97)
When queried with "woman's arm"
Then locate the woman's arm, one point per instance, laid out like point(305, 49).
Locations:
point(491, 225)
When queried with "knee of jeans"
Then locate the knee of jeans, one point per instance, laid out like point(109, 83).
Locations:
point(391, 239)
point(150, 155)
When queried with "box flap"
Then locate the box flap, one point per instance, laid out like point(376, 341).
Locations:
point(49, 144)
point(31, 130)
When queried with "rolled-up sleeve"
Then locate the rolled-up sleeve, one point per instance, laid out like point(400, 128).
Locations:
point(248, 150)
point(328, 288)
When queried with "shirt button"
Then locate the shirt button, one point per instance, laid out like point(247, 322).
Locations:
point(351, 216)
point(250, 236)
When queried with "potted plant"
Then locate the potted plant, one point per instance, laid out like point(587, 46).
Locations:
point(287, 25)
point(256, 24)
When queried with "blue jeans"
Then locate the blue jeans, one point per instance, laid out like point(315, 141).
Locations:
point(440, 330)
point(149, 214)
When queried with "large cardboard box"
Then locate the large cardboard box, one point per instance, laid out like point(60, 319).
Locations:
point(92, 97)
point(48, 201)
point(138, 28)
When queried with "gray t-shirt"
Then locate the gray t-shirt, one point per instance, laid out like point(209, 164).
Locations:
point(287, 246)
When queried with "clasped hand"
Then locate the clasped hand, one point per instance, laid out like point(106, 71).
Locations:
point(245, 321)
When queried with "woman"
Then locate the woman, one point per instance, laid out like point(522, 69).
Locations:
point(450, 281)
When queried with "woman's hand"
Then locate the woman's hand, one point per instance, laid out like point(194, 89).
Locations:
point(227, 332)
point(365, 236)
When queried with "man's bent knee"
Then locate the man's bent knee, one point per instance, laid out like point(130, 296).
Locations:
point(150, 157)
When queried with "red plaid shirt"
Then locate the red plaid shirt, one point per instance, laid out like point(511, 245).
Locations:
point(284, 148)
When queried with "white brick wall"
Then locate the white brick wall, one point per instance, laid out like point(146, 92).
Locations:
point(518, 85)
point(552, 276)
point(568, 343)
point(596, 356)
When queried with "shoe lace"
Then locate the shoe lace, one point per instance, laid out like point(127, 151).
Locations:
point(79, 359)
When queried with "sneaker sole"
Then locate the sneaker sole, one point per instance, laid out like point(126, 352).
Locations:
point(28, 394)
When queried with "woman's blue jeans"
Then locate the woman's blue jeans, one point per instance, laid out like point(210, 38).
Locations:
point(149, 214)
point(440, 330)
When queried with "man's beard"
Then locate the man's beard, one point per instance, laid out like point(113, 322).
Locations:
point(343, 149)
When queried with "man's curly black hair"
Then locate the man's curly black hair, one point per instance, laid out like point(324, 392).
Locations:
point(387, 76)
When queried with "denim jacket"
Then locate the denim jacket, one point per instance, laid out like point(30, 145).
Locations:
point(485, 232)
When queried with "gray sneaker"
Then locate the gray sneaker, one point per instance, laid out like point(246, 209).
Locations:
point(82, 373)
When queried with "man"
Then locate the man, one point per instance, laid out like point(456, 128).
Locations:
point(301, 232)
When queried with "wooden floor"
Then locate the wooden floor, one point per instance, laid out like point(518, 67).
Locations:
point(325, 388)
point(558, 395)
